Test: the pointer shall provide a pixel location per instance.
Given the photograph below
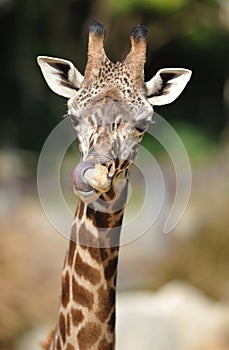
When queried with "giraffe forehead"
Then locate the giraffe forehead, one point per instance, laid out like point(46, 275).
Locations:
point(109, 72)
point(112, 82)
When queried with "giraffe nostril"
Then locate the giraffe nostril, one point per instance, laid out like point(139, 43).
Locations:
point(78, 176)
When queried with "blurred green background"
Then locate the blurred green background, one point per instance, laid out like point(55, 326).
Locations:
point(182, 33)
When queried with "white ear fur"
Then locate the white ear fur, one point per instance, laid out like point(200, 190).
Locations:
point(61, 75)
point(167, 85)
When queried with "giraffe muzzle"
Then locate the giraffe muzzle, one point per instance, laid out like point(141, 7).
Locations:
point(91, 179)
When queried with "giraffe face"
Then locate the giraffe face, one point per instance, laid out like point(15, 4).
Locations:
point(110, 107)
point(109, 136)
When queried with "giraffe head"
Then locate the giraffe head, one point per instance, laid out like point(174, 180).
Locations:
point(110, 106)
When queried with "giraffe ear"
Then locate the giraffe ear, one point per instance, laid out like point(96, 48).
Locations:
point(167, 85)
point(61, 75)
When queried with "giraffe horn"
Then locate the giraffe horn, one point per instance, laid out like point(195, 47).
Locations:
point(137, 55)
point(138, 38)
point(96, 53)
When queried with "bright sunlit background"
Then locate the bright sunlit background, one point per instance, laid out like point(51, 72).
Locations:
point(174, 289)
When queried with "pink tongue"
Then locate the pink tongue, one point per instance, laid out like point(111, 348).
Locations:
point(78, 178)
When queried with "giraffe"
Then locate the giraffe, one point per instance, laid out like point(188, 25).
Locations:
point(110, 108)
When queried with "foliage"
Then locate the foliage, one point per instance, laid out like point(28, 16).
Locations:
point(189, 33)
point(165, 6)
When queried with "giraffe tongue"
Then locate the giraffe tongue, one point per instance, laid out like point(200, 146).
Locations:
point(98, 178)
point(88, 177)
point(78, 176)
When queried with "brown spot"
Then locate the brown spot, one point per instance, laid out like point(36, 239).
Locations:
point(113, 249)
point(90, 212)
point(104, 254)
point(70, 347)
point(117, 161)
point(68, 324)
point(125, 164)
point(95, 253)
point(88, 335)
point(86, 237)
point(88, 272)
point(118, 215)
point(58, 345)
point(82, 295)
point(65, 289)
point(106, 299)
point(111, 193)
point(115, 279)
point(77, 316)
point(62, 327)
point(111, 322)
point(111, 268)
point(100, 254)
point(99, 219)
point(104, 345)
point(71, 252)
point(102, 219)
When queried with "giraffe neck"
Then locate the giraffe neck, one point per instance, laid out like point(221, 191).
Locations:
point(87, 310)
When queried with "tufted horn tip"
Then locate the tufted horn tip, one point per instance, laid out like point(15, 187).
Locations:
point(138, 40)
point(137, 55)
point(139, 33)
point(96, 53)
point(97, 28)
